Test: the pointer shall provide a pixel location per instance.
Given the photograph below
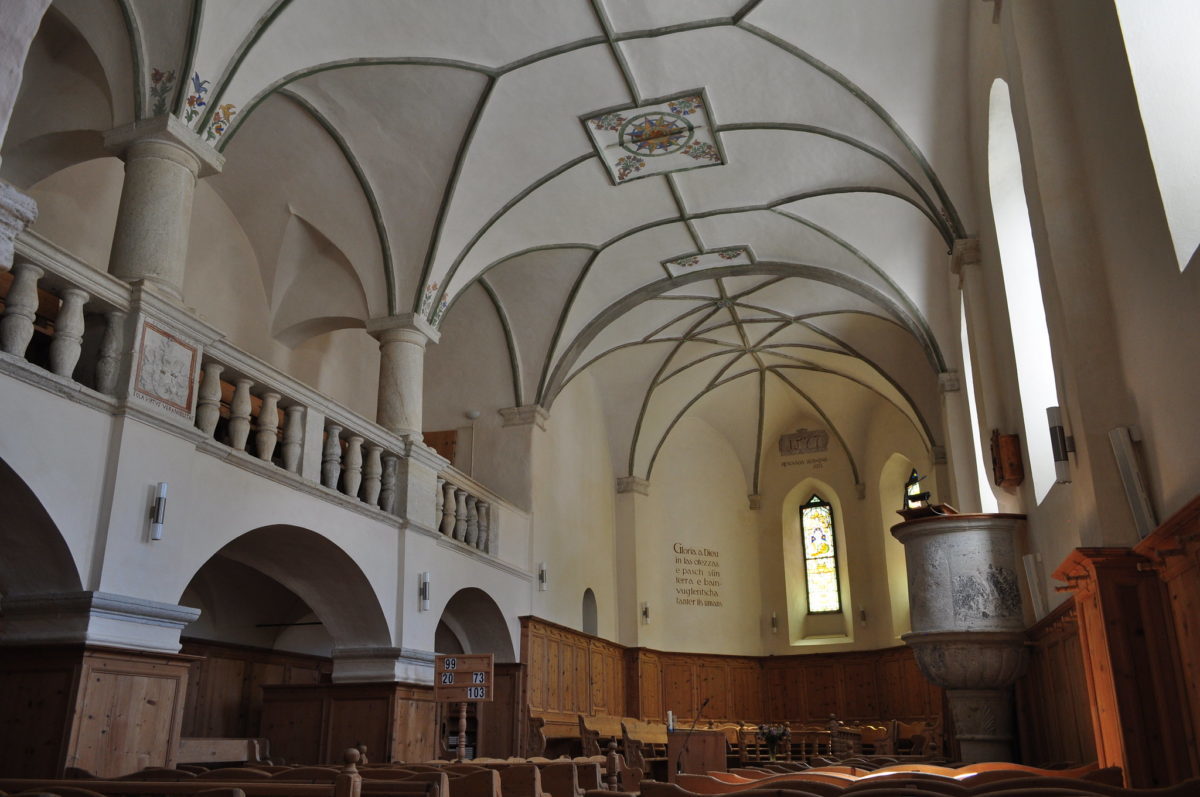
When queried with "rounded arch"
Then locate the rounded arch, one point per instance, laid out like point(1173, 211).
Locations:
point(591, 621)
point(323, 575)
point(36, 557)
point(476, 622)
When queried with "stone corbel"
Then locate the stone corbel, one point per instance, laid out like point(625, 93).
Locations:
point(527, 415)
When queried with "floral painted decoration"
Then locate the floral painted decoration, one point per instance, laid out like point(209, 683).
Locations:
point(702, 151)
point(730, 254)
point(685, 262)
point(441, 310)
point(162, 84)
point(220, 121)
point(685, 106)
point(195, 100)
point(627, 165)
point(609, 121)
point(427, 298)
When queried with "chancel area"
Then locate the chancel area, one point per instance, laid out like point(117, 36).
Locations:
point(757, 386)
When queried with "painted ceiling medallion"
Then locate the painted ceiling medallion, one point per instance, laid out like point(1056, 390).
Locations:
point(668, 135)
point(710, 258)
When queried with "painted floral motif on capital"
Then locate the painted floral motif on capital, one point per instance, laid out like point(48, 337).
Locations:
point(195, 100)
point(162, 85)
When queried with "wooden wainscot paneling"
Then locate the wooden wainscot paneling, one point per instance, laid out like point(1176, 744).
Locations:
point(1131, 664)
point(225, 686)
point(1175, 549)
point(642, 683)
point(314, 724)
point(1053, 714)
point(105, 710)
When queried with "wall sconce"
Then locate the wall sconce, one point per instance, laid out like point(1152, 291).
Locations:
point(645, 612)
point(423, 590)
point(543, 578)
point(862, 616)
point(774, 622)
point(1060, 444)
point(158, 512)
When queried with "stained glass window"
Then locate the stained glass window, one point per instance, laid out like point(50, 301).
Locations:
point(820, 556)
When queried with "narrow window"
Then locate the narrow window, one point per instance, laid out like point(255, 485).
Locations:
point(820, 557)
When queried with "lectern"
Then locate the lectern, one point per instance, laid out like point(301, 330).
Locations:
point(705, 753)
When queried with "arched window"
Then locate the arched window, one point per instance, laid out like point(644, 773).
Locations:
point(1019, 266)
point(590, 614)
point(820, 557)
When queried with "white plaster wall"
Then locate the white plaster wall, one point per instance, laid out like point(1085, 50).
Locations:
point(59, 449)
point(574, 509)
point(698, 500)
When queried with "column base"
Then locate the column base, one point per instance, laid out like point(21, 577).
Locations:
point(983, 723)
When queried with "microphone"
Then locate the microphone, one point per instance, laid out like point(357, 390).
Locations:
point(688, 738)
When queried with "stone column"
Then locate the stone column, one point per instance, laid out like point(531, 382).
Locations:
point(108, 365)
point(68, 333)
point(16, 326)
point(962, 491)
point(208, 407)
point(162, 162)
point(968, 627)
point(631, 516)
point(19, 21)
point(402, 341)
point(239, 415)
point(268, 427)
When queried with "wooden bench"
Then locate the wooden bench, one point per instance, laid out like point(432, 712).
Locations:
point(204, 750)
point(644, 744)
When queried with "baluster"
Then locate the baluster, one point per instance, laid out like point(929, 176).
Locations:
point(460, 513)
point(372, 471)
point(239, 415)
point(439, 499)
point(448, 509)
point(293, 437)
point(485, 525)
point(472, 521)
point(331, 457)
point(268, 426)
point(16, 327)
point(108, 365)
point(68, 333)
point(352, 466)
point(208, 408)
point(387, 491)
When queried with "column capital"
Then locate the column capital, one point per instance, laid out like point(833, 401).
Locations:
point(403, 328)
point(17, 211)
point(165, 137)
point(965, 253)
point(632, 484)
point(949, 382)
point(529, 414)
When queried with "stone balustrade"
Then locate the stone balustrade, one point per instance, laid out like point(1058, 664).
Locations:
point(64, 317)
point(74, 330)
point(249, 407)
point(466, 511)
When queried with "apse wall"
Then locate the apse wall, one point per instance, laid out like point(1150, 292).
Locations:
point(573, 509)
point(697, 549)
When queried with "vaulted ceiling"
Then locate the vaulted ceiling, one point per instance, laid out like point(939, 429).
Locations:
point(744, 206)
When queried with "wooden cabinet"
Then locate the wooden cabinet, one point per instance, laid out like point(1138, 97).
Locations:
point(314, 724)
point(105, 710)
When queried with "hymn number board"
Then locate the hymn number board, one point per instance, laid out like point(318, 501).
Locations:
point(462, 678)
